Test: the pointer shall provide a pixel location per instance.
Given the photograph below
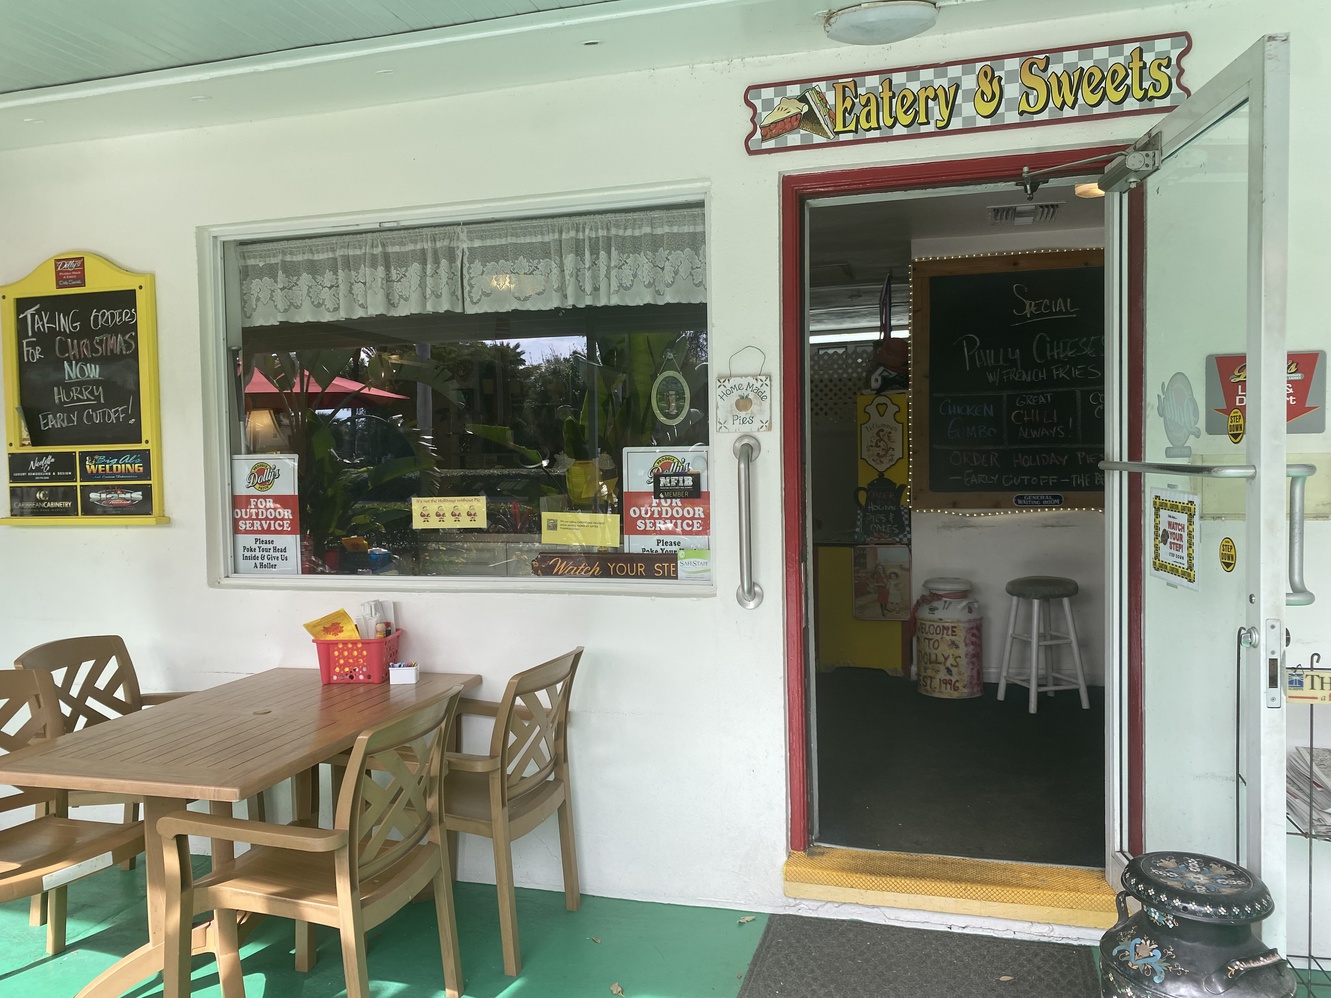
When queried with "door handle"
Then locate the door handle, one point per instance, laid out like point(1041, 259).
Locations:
point(1298, 478)
point(1297, 474)
point(749, 594)
point(1193, 470)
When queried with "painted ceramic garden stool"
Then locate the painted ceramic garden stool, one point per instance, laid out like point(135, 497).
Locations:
point(1194, 936)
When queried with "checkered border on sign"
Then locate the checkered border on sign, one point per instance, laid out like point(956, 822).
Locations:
point(765, 97)
point(1188, 509)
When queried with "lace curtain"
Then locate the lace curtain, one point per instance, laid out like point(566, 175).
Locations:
point(352, 276)
point(634, 258)
point(628, 258)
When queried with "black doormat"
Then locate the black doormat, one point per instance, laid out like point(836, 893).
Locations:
point(829, 958)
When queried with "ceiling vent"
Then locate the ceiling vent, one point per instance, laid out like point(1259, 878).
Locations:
point(1024, 214)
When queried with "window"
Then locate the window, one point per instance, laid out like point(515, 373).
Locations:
point(524, 398)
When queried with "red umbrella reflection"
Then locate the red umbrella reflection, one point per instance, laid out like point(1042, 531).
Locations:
point(340, 393)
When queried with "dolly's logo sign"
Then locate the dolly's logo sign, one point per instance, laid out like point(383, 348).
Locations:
point(263, 476)
point(70, 272)
point(1132, 76)
point(666, 464)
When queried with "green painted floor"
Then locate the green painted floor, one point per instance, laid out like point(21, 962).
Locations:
point(649, 950)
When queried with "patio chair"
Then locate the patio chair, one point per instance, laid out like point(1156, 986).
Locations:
point(51, 850)
point(95, 681)
point(387, 844)
point(523, 779)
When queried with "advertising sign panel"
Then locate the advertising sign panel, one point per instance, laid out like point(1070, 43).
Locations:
point(265, 515)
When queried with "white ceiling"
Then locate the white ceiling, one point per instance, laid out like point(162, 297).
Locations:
point(74, 41)
point(78, 69)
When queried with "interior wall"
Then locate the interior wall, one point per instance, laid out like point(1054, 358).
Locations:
point(991, 550)
point(679, 720)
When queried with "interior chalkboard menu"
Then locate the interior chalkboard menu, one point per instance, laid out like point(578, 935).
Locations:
point(82, 418)
point(1007, 381)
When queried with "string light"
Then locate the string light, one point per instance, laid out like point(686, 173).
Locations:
point(994, 512)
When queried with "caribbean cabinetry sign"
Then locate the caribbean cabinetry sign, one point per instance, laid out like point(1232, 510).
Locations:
point(81, 411)
point(1132, 76)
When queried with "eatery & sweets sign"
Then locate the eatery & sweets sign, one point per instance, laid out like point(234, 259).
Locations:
point(1104, 79)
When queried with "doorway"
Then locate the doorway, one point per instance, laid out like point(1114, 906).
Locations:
point(887, 768)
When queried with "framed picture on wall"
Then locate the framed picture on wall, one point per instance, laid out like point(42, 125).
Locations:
point(882, 581)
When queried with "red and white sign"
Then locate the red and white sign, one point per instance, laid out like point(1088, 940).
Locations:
point(265, 515)
point(1305, 390)
point(664, 525)
point(70, 272)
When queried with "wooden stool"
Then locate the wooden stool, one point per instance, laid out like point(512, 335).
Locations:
point(1041, 590)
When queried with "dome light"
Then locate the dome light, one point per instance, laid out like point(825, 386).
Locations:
point(880, 22)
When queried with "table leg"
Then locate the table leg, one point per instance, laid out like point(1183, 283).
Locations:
point(153, 809)
point(223, 851)
point(146, 961)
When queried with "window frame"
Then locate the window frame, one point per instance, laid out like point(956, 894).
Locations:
point(220, 335)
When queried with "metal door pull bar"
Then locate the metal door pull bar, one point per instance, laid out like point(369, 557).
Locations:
point(749, 594)
point(1298, 475)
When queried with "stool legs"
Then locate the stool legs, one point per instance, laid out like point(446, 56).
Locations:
point(1007, 651)
point(1042, 675)
point(1035, 655)
point(1076, 655)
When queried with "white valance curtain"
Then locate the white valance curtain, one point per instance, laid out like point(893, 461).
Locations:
point(631, 258)
point(621, 258)
point(352, 276)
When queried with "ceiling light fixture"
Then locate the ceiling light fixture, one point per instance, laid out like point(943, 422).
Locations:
point(1091, 190)
point(880, 22)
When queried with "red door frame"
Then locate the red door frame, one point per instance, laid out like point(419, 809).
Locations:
point(1135, 703)
point(796, 189)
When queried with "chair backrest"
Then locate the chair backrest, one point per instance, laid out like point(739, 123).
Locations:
point(397, 802)
point(27, 713)
point(93, 675)
point(531, 722)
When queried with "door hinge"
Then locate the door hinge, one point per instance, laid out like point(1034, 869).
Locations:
point(1133, 166)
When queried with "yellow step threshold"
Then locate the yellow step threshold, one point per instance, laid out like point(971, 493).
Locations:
point(1060, 895)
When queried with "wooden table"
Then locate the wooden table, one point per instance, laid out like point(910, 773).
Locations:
point(223, 744)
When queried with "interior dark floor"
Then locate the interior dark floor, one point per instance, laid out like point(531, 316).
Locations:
point(979, 778)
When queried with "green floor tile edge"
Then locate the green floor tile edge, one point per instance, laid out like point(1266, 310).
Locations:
point(649, 950)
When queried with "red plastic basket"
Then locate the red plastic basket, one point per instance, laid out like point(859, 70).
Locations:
point(362, 661)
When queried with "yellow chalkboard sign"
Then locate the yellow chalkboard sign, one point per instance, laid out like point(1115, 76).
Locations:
point(82, 420)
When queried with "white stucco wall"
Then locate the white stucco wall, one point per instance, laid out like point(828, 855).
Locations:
point(679, 719)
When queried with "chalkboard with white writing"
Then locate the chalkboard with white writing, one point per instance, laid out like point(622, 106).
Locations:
point(78, 368)
point(1007, 381)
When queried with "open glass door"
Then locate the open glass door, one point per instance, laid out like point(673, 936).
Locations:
point(1197, 507)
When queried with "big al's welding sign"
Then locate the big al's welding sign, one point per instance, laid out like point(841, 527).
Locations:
point(1106, 79)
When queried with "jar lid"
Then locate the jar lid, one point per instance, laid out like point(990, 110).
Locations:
point(947, 585)
point(1201, 888)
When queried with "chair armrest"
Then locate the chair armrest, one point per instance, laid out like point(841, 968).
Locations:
point(26, 797)
point(259, 833)
point(465, 763)
point(487, 708)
